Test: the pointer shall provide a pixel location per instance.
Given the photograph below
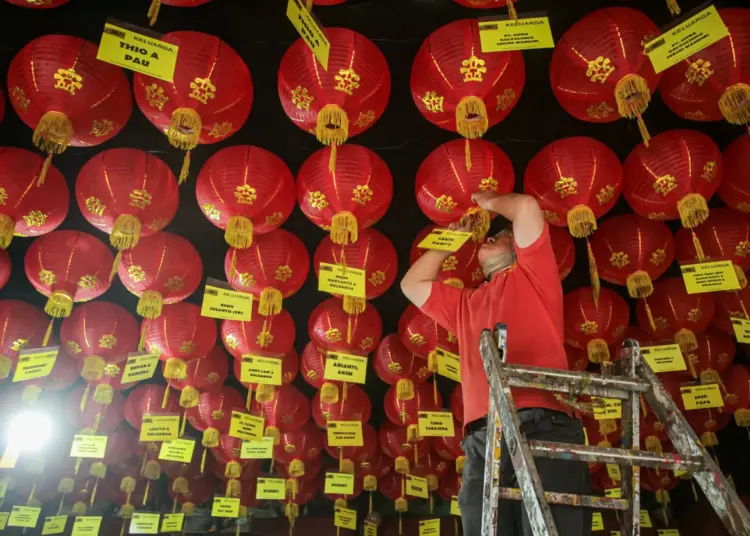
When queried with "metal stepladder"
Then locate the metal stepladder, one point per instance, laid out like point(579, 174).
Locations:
point(631, 378)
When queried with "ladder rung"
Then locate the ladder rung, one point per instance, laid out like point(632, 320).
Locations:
point(561, 381)
point(570, 499)
point(642, 458)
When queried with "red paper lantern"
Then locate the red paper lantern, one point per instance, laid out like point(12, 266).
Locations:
point(163, 268)
point(127, 193)
point(593, 326)
point(405, 412)
point(461, 269)
point(313, 365)
point(205, 373)
point(449, 447)
point(422, 336)
point(245, 190)
point(5, 268)
point(457, 403)
point(578, 358)
point(724, 236)
point(706, 423)
point(600, 72)
point(298, 448)
point(312, 470)
point(342, 101)
point(272, 335)
point(197, 491)
point(288, 410)
point(676, 314)
point(714, 83)
point(445, 182)
point(488, 4)
point(373, 253)
point(731, 305)
point(274, 267)
point(735, 384)
point(712, 356)
point(213, 413)
point(673, 177)
point(68, 267)
point(23, 327)
point(208, 100)
point(378, 465)
point(402, 444)
point(458, 87)
point(333, 329)
point(735, 188)
point(354, 407)
point(264, 392)
point(146, 399)
point(64, 373)
point(100, 418)
point(659, 482)
point(353, 197)
point(153, 10)
point(229, 467)
point(564, 249)
point(450, 484)
point(38, 4)
point(396, 366)
point(29, 209)
point(66, 95)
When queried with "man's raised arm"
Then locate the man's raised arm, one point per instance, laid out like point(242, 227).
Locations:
point(520, 209)
point(417, 283)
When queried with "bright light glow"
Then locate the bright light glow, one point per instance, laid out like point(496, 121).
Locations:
point(29, 431)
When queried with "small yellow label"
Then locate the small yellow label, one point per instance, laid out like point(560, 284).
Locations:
point(88, 446)
point(262, 370)
point(342, 280)
point(665, 358)
point(702, 396)
point(54, 525)
point(172, 522)
point(345, 368)
point(177, 450)
point(607, 408)
point(455, 508)
point(429, 527)
point(4, 519)
point(144, 523)
point(86, 526)
point(445, 240)
point(35, 363)
point(669, 532)
point(226, 304)
point(645, 519)
point(308, 28)
point(448, 364)
point(416, 486)
point(139, 367)
point(613, 493)
point(10, 456)
point(679, 472)
point(741, 329)
point(133, 48)
point(345, 518)
point(257, 450)
point(436, 424)
point(614, 533)
point(685, 39)
point(159, 428)
point(614, 472)
point(520, 34)
point(709, 277)
point(597, 522)
point(246, 427)
point(270, 488)
point(226, 507)
point(339, 484)
point(371, 529)
point(24, 516)
point(345, 434)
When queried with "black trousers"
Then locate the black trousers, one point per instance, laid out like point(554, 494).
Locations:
point(556, 475)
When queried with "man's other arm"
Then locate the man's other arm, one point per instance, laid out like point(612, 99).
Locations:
point(417, 283)
point(521, 210)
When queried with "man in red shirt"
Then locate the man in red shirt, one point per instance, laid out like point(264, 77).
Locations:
point(523, 291)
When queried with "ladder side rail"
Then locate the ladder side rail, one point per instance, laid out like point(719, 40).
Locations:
point(630, 485)
point(571, 499)
point(491, 490)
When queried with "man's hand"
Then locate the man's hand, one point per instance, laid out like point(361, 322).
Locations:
point(484, 199)
point(458, 226)
point(522, 210)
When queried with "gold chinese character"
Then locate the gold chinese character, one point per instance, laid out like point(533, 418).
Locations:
point(589, 327)
point(213, 377)
point(476, 275)
point(619, 331)
point(136, 273)
point(661, 323)
point(245, 194)
point(423, 373)
point(619, 259)
point(695, 314)
point(333, 335)
point(174, 283)
point(95, 206)
point(445, 203)
point(600, 69)
point(377, 278)
point(698, 72)
point(665, 184)
point(605, 195)
point(35, 218)
point(347, 81)
point(68, 80)
point(220, 130)
point(657, 216)
point(274, 219)
point(211, 211)
point(365, 118)
point(433, 102)
point(318, 200)
point(140, 199)
point(74, 348)
point(107, 341)
point(362, 194)
point(203, 90)
point(473, 69)
point(102, 128)
point(47, 277)
point(187, 347)
point(743, 207)
point(697, 115)
point(599, 111)
point(417, 339)
point(395, 368)
point(283, 273)
point(658, 257)
point(566, 186)
point(246, 279)
point(231, 341)
point(264, 338)
point(366, 343)
point(450, 264)
point(709, 171)
point(157, 224)
point(301, 99)
point(312, 375)
point(551, 216)
point(88, 281)
point(3, 196)
point(488, 184)
point(156, 97)
point(742, 249)
point(20, 97)
point(505, 100)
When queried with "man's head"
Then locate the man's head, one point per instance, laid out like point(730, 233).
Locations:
point(497, 253)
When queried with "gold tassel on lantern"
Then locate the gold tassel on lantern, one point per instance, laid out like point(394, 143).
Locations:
point(292, 487)
point(741, 277)
point(639, 284)
point(270, 301)
point(512, 10)
point(650, 315)
point(79, 508)
point(693, 210)
point(239, 232)
point(183, 133)
point(633, 95)
point(103, 394)
point(233, 470)
point(332, 158)
point(52, 136)
point(404, 389)
point(344, 228)
point(7, 230)
point(234, 488)
point(209, 440)
point(115, 266)
point(329, 393)
point(581, 221)
point(126, 232)
point(471, 117)
point(265, 393)
point(273, 432)
point(709, 439)
point(354, 306)
point(674, 8)
point(370, 484)
point(594, 275)
point(332, 126)
point(478, 221)
point(175, 369)
point(59, 304)
point(188, 508)
point(686, 339)
point(189, 397)
point(297, 468)
point(598, 351)
point(735, 104)
point(98, 471)
point(153, 12)
point(150, 304)
point(402, 465)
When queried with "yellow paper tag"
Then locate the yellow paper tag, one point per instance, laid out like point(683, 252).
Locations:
point(177, 450)
point(614, 472)
point(339, 484)
point(86, 526)
point(343, 280)
point(172, 522)
point(521, 34)
point(455, 508)
point(257, 450)
point(416, 486)
point(10, 456)
point(226, 506)
point(135, 49)
point(24, 516)
point(270, 488)
point(35, 363)
point(666, 358)
point(702, 396)
point(54, 525)
point(345, 368)
point(429, 527)
point(669, 532)
point(371, 529)
point(144, 523)
point(307, 27)
point(262, 370)
point(159, 428)
point(226, 304)
point(436, 424)
point(448, 364)
point(611, 408)
point(709, 277)
point(741, 329)
point(614, 533)
point(4, 519)
point(444, 240)
point(597, 522)
point(345, 518)
point(645, 519)
point(679, 472)
point(246, 427)
point(88, 446)
point(345, 434)
point(685, 39)
point(613, 493)
point(139, 367)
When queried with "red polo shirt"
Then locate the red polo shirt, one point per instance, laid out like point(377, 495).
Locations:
point(528, 298)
